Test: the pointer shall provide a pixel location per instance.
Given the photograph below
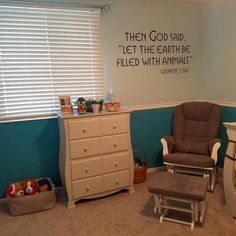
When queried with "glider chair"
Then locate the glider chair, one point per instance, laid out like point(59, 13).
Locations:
point(193, 147)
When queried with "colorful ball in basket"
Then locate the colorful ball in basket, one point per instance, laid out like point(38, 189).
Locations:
point(111, 107)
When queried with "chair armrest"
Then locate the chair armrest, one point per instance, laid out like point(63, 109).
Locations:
point(214, 146)
point(168, 143)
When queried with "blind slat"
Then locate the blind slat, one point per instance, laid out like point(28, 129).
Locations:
point(46, 53)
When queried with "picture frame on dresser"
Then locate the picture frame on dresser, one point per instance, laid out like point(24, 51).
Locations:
point(96, 157)
point(65, 104)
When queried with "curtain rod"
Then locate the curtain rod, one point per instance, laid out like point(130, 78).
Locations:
point(102, 7)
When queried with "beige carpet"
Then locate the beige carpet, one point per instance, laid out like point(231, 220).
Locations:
point(119, 214)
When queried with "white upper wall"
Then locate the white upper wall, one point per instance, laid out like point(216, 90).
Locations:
point(157, 83)
point(219, 51)
point(208, 27)
point(145, 85)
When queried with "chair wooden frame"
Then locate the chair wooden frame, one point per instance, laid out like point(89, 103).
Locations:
point(197, 209)
point(205, 172)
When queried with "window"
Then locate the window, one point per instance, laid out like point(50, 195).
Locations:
point(46, 52)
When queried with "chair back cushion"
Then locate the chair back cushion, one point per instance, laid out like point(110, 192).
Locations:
point(194, 125)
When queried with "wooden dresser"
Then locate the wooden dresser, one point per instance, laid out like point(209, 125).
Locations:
point(95, 154)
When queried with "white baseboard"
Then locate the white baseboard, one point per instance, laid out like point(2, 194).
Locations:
point(149, 170)
point(3, 200)
point(156, 169)
point(219, 170)
point(163, 168)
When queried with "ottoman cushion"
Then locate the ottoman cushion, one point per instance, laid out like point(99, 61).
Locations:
point(179, 186)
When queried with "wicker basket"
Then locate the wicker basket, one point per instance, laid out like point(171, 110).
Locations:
point(140, 170)
point(115, 106)
point(32, 203)
point(140, 174)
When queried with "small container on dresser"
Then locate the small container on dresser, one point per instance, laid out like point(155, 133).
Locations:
point(95, 154)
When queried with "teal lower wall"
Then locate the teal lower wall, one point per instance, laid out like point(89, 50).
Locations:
point(228, 114)
point(147, 128)
point(30, 149)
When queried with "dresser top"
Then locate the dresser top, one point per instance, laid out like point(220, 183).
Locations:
point(75, 114)
point(230, 125)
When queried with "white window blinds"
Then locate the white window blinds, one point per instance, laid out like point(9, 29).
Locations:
point(47, 52)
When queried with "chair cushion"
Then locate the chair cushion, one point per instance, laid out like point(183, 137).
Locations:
point(191, 147)
point(179, 186)
point(199, 111)
point(196, 121)
point(189, 159)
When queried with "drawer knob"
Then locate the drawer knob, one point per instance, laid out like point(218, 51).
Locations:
point(115, 144)
point(84, 130)
point(114, 126)
point(85, 149)
point(88, 188)
point(116, 164)
point(117, 181)
point(87, 170)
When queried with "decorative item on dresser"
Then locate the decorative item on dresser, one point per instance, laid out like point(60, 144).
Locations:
point(95, 154)
point(65, 104)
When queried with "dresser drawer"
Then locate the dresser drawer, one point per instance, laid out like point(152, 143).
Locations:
point(85, 148)
point(86, 187)
point(115, 162)
point(114, 124)
point(116, 180)
point(81, 169)
point(83, 128)
point(115, 143)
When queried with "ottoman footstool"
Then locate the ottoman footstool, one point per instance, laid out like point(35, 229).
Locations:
point(180, 188)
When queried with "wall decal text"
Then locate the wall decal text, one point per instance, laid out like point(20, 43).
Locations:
point(170, 51)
